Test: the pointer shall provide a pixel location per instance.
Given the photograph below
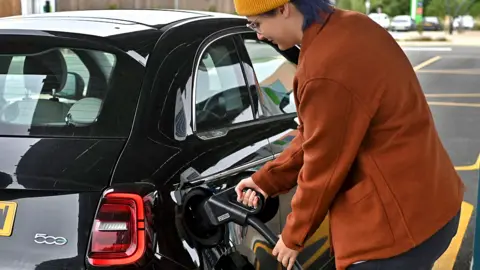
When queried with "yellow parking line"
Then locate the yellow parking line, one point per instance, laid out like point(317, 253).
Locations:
point(426, 63)
point(474, 167)
point(447, 260)
point(451, 71)
point(455, 95)
point(454, 104)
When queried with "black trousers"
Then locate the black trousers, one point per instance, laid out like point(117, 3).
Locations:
point(422, 257)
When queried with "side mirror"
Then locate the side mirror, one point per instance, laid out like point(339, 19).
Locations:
point(284, 102)
point(84, 112)
point(287, 103)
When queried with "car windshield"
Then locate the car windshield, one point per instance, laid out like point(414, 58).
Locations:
point(57, 88)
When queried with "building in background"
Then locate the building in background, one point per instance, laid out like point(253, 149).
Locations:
point(38, 6)
point(10, 8)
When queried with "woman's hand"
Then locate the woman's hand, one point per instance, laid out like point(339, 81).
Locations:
point(249, 197)
point(284, 255)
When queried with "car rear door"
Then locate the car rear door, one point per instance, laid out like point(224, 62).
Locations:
point(60, 137)
point(274, 71)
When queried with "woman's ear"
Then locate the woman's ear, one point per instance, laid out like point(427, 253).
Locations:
point(286, 10)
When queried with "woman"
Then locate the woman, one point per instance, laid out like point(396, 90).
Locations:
point(367, 151)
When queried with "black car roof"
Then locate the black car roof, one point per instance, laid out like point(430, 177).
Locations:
point(103, 22)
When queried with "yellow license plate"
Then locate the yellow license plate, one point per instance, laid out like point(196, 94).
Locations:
point(7, 216)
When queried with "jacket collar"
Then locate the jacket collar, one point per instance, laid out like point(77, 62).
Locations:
point(313, 30)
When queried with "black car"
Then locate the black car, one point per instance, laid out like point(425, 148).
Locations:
point(109, 118)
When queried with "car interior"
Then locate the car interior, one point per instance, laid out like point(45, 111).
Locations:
point(220, 81)
point(44, 92)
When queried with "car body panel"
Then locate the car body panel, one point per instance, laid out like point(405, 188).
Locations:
point(43, 218)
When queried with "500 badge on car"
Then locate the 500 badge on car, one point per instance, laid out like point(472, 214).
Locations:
point(41, 238)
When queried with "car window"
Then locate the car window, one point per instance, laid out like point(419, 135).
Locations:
point(274, 74)
point(221, 93)
point(52, 90)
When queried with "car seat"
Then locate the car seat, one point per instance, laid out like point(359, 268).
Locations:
point(40, 111)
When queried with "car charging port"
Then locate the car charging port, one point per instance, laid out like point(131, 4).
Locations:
point(195, 228)
point(210, 213)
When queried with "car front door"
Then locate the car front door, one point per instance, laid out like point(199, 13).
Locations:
point(273, 79)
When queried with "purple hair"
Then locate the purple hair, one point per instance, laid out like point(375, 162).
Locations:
point(310, 9)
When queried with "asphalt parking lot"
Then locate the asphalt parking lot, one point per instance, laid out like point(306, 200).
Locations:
point(450, 77)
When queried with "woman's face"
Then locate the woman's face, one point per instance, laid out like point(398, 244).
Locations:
point(276, 27)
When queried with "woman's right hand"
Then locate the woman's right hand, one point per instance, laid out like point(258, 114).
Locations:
point(249, 197)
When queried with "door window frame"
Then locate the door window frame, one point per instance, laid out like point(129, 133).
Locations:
point(232, 33)
point(291, 55)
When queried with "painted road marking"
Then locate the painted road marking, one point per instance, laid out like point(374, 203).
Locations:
point(474, 167)
point(447, 260)
point(426, 63)
point(452, 71)
point(428, 49)
point(455, 95)
point(454, 104)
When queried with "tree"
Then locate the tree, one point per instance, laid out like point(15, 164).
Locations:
point(454, 8)
point(390, 7)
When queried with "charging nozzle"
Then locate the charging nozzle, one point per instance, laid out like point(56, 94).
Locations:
point(223, 207)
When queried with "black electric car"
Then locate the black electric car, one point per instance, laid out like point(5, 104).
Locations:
point(109, 119)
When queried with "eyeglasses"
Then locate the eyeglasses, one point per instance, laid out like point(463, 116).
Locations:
point(254, 26)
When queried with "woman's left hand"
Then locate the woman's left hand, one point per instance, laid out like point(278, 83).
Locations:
point(285, 255)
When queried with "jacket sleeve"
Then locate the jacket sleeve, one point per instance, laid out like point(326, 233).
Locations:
point(335, 123)
point(280, 175)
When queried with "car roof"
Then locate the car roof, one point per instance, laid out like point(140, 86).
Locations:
point(103, 22)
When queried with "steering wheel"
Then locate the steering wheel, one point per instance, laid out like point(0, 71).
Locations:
point(210, 108)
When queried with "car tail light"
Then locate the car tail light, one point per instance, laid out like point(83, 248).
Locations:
point(118, 235)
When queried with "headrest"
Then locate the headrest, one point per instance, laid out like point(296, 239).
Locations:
point(52, 64)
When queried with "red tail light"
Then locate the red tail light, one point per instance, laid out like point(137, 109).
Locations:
point(118, 236)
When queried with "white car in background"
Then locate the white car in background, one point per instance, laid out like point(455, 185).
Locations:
point(381, 18)
point(465, 22)
point(402, 23)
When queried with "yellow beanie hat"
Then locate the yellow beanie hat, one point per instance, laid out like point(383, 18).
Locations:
point(256, 7)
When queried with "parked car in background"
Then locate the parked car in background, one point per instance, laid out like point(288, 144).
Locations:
point(381, 18)
point(464, 22)
point(431, 24)
point(402, 23)
point(105, 114)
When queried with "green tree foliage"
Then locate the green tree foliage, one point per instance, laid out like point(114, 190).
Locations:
point(390, 7)
point(475, 9)
point(441, 8)
point(437, 8)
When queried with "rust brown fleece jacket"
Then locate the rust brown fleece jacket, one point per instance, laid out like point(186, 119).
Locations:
point(367, 152)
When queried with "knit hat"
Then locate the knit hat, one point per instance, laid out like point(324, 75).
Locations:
point(256, 7)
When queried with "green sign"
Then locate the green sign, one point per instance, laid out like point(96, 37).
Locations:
point(416, 10)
